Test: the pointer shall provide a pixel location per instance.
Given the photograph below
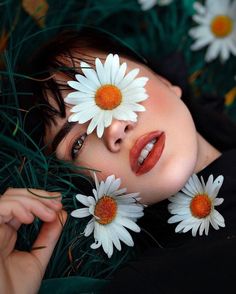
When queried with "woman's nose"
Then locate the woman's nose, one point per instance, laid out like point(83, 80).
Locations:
point(116, 133)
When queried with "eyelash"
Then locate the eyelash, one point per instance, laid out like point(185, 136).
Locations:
point(75, 150)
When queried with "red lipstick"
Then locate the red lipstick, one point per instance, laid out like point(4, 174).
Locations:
point(154, 155)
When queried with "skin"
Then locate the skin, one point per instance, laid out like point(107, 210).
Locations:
point(18, 206)
point(185, 151)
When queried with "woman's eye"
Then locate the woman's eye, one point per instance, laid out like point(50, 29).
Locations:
point(78, 144)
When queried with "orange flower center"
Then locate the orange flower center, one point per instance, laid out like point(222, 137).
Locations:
point(105, 210)
point(221, 26)
point(108, 97)
point(200, 206)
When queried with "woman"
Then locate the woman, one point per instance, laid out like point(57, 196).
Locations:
point(183, 148)
point(177, 151)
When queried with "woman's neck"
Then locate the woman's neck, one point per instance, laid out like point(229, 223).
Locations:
point(206, 154)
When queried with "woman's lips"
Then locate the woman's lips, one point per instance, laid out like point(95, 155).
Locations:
point(152, 157)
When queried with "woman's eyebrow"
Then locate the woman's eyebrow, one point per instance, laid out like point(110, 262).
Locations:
point(66, 128)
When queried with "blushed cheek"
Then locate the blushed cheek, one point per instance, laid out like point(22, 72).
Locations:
point(159, 103)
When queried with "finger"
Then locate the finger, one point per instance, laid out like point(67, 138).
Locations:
point(24, 211)
point(7, 240)
point(48, 198)
point(31, 191)
point(15, 224)
point(47, 239)
point(26, 200)
point(9, 210)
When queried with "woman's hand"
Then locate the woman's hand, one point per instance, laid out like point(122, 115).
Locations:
point(22, 272)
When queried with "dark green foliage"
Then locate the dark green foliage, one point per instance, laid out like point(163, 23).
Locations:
point(155, 35)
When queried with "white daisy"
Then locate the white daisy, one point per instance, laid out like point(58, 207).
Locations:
point(106, 93)
point(148, 4)
point(217, 28)
point(113, 211)
point(194, 207)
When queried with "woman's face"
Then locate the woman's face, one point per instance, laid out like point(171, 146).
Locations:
point(167, 120)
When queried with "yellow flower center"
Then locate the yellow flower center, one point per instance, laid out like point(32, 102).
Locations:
point(105, 210)
point(221, 26)
point(108, 97)
point(200, 206)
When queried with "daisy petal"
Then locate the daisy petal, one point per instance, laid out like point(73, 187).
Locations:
point(211, 19)
point(83, 199)
point(90, 73)
point(194, 208)
point(100, 71)
point(114, 237)
point(120, 74)
point(123, 235)
point(128, 224)
point(93, 88)
point(108, 229)
point(89, 228)
point(128, 79)
point(86, 82)
point(96, 245)
point(81, 212)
